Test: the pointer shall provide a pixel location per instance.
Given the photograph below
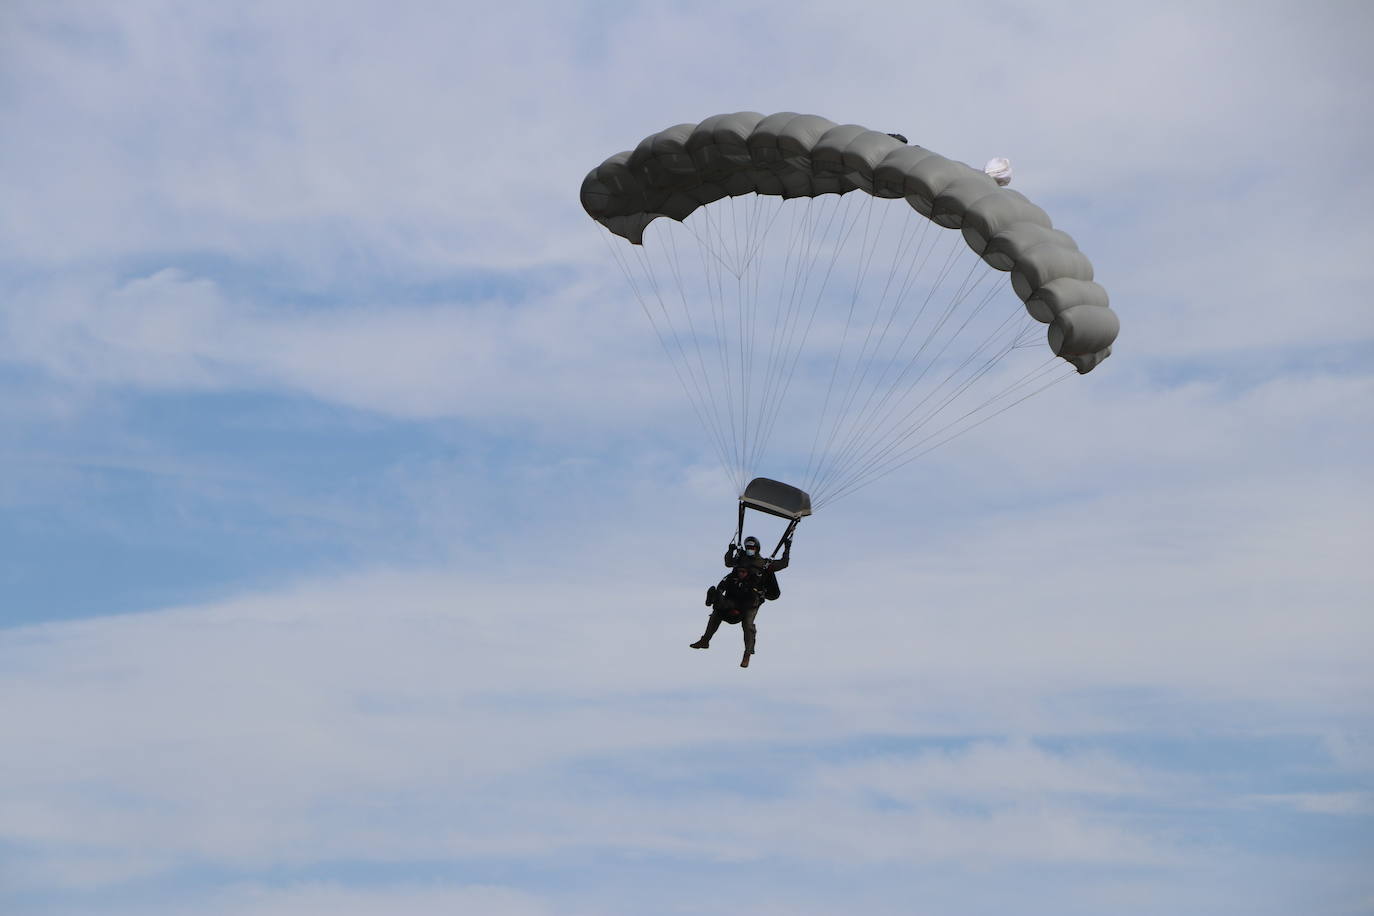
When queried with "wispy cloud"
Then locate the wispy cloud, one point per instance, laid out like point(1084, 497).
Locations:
point(405, 718)
point(1338, 803)
point(306, 289)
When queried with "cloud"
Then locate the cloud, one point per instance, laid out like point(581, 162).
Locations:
point(317, 728)
point(986, 773)
point(325, 158)
point(375, 209)
point(173, 331)
point(267, 899)
point(403, 717)
point(349, 901)
point(1337, 803)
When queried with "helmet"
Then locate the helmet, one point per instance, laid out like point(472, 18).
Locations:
point(751, 542)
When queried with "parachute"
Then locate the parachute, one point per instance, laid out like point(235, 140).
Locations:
point(803, 320)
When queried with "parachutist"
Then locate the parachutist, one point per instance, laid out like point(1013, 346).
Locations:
point(749, 554)
point(753, 579)
point(737, 598)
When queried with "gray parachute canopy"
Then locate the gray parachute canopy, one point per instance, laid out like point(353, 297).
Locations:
point(677, 170)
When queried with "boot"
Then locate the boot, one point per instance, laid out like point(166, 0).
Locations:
point(712, 624)
point(744, 662)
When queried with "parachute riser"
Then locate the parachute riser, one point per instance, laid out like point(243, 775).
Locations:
point(783, 541)
point(786, 537)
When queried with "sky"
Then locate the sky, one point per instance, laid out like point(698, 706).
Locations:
point(353, 528)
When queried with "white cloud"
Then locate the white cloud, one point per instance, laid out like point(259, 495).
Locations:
point(986, 773)
point(389, 143)
point(1183, 541)
point(390, 720)
point(173, 331)
point(1339, 803)
point(400, 717)
point(420, 899)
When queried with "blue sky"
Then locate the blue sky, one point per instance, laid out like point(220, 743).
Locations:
point(353, 527)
